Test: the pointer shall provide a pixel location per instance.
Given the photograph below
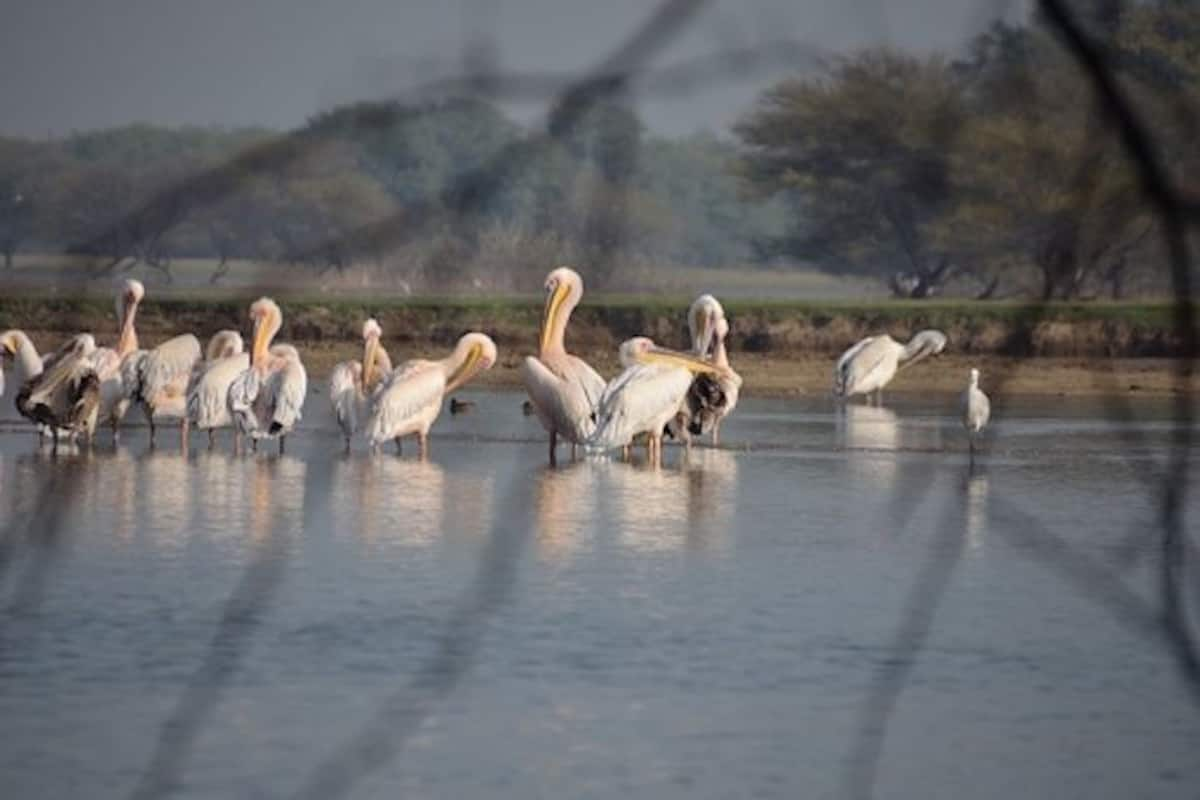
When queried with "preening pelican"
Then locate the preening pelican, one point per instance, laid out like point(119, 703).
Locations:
point(712, 395)
point(353, 383)
point(208, 390)
point(113, 365)
point(872, 363)
point(563, 388)
point(411, 399)
point(158, 380)
point(645, 396)
point(18, 353)
point(66, 396)
point(265, 399)
point(976, 410)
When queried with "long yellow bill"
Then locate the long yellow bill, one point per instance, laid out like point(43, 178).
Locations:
point(465, 370)
point(662, 355)
point(550, 314)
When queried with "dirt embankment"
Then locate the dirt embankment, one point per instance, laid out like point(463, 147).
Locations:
point(779, 347)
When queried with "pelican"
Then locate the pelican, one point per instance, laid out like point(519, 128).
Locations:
point(265, 399)
point(158, 380)
point(976, 410)
point(16, 346)
point(113, 365)
point(209, 387)
point(712, 395)
point(66, 396)
point(412, 397)
point(563, 388)
point(645, 396)
point(353, 383)
point(872, 363)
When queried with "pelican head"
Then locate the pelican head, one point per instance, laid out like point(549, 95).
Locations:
point(267, 318)
point(224, 344)
point(474, 352)
point(702, 318)
point(641, 350)
point(132, 292)
point(371, 332)
point(921, 345)
point(564, 289)
point(9, 345)
point(974, 377)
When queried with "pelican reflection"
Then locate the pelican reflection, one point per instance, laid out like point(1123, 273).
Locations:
point(565, 499)
point(976, 490)
point(650, 505)
point(712, 481)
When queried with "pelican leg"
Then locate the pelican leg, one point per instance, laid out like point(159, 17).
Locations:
point(115, 424)
point(281, 439)
point(399, 449)
point(184, 429)
point(553, 444)
point(254, 444)
point(716, 433)
point(422, 445)
point(574, 451)
point(625, 453)
point(211, 441)
point(152, 430)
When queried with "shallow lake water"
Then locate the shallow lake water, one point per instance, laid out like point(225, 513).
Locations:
point(742, 622)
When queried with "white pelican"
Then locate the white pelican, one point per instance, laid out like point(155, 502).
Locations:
point(976, 410)
point(644, 397)
point(158, 380)
point(112, 365)
point(208, 390)
point(266, 398)
point(353, 383)
point(66, 396)
point(410, 400)
point(563, 388)
point(872, 363)
point(17, 348)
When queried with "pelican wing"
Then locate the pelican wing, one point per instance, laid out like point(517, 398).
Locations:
point(414, 391)
point(241, 400)
point(345, 396)
point(639, 400)
point(105, 362)
point(868, 365)
point(206, 402)
point(288, 387)
point(165, 370)
point(564, 405)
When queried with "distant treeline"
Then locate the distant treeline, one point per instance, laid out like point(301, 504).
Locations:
point(994, 173)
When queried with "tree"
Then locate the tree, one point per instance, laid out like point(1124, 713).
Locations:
point(862, 152)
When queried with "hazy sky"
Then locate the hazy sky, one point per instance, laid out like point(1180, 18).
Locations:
point(76, 64)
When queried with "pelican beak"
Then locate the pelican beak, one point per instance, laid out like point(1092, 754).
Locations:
point(370, 355)
point(661, 355)
point(470, 365)
point(259, 350)
point(554, 301)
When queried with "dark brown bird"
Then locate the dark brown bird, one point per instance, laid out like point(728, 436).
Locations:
point(460, 406)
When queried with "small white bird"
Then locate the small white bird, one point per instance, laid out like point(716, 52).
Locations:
point(976, 409)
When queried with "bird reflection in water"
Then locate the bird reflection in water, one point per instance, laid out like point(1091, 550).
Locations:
point(975, 485)
point(712, 481)
point(565, 500)
point(872, 434)
point(651, 504)
point(397, 500)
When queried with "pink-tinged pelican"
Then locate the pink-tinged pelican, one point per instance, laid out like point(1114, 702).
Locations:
point(871, 364)
point(158, 380)
point(352, 384)
point(65, 397)
point(208, 390)
point(265, 399)
point(643, 398)
point(563, 388)
point(112, 365)
point(410, 400)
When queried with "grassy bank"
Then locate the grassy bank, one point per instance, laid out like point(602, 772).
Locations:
point(775, 328)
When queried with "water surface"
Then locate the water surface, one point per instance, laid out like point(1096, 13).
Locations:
point(480, 624)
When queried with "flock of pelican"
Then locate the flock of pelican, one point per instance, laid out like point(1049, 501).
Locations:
point(260, 394)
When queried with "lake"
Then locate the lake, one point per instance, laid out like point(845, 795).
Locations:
point(832, 589)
